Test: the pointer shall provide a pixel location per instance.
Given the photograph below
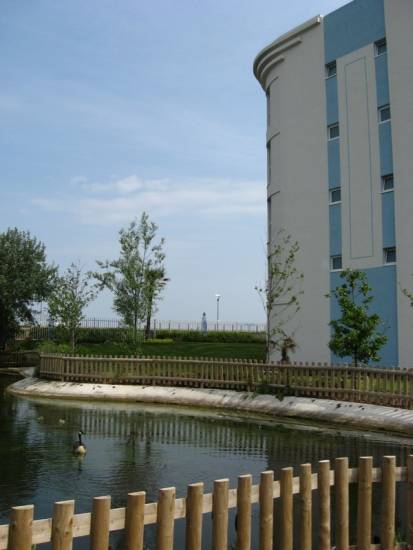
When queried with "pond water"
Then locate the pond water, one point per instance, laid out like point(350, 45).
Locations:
point(135, 447)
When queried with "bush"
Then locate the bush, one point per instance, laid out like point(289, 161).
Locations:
point(212, 336)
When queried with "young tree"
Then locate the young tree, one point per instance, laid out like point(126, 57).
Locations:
point(137, 277)
point(25, 278)
point(280, 296)
point(355, 333)
point(71, 293)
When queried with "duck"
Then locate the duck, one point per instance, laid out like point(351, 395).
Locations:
point(79, 447)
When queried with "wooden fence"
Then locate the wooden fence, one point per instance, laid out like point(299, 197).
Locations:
point(65, 525)
point(391, 387)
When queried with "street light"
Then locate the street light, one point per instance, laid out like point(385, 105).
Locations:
point(217, 296)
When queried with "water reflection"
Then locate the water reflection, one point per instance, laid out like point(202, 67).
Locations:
point(141, 447)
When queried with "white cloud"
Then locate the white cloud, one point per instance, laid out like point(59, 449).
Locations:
point(120, 200)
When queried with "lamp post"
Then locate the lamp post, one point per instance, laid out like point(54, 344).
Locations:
point(217, 296)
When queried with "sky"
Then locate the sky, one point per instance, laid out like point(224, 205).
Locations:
point(111, 108)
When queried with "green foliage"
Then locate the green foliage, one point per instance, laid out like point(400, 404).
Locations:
point(408, 295)
point(212, 336)
point(355, 334)
point(71, 293)
point(137, 277)
point(25, 278)
point(281, 293)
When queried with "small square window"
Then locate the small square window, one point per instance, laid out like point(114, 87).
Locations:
point(336, 263)
point(333, 131)
point(384, 113)
point(380, 46)
point(331, 69)
point(335, 195)
point(390, 255)
point(387, 183)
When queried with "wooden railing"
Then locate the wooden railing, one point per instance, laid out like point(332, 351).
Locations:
point(65, 525)
point(392, 387)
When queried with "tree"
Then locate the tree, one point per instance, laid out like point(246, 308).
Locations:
point(25, 278)
point(137, 277)
point(72, 292)
point(355, 333)
point(408, 295)
point(280, 296)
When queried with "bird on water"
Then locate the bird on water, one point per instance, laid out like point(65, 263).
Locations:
point(78, 446)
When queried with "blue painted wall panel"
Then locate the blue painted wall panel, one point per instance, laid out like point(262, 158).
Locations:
point(353, 26)
point(382, 80)
point(386, 149)
point(335, 230)
point(333, 152)
point(383, 282)
point(387, 208)
point(332, 100)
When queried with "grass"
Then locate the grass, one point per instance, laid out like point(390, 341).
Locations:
point(178, 349)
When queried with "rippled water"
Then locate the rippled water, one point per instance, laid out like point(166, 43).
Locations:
point(140, 447)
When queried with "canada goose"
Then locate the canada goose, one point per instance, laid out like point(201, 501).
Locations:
point(78, 447)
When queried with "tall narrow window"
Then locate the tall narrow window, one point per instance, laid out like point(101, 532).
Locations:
point(387, 183)
point(384, 113)
point(269, 219)
point(335, 195)
point(333, 131)
point(390, 255)
point(336, 263)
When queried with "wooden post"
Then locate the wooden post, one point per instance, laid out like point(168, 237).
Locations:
point(342, 503)
point(266, 509)
point(388, 503)
point(410, 501)
point(220, 515)
point(20, 528)
point(134, 521)
point(324, 529)
point(305, 507)
point(194, 500)
point(166, 519)
point(365, 474)
point(62, 525)
point(99, 528)
point(244, 512)
point(286, 496)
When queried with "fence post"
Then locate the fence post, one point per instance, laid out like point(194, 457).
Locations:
point(305, 507)
point(165, 519)
point(20, 528)
point(266, 509)
point(99, 527)
point(244, 512)
point(194, 501)
point(286, 497)
point(365, 475)
point(62, 525)
point(220, 515)
point(410, 502)
point(324, 535)
point(342, 503)
point(388, 503)
point(134, 520)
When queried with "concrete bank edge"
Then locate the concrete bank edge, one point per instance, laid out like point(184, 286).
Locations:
point(356, 415)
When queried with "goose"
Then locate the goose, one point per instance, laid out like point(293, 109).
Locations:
point(78, 446)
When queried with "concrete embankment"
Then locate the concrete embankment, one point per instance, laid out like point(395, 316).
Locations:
point(352, 415)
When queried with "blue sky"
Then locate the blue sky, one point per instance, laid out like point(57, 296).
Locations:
point(112, 108)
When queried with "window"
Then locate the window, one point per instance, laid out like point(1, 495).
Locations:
point(384, 113)
point(269, 219)
point(390, 255)
point(331, 69)
point(380, 47)
point(335, 263)
point(333, 131)
point(335, 195)
point(387, 183)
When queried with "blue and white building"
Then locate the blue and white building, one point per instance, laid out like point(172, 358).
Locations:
point(340, 162)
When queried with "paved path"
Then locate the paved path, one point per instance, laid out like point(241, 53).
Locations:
point(371, 417)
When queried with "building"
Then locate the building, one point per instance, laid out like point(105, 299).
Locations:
point(340, 162)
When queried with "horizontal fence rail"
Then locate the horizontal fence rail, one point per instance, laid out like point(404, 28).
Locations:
point(391, 387)
point(376, 530)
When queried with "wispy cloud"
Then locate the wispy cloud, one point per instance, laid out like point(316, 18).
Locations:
point(107, 203)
